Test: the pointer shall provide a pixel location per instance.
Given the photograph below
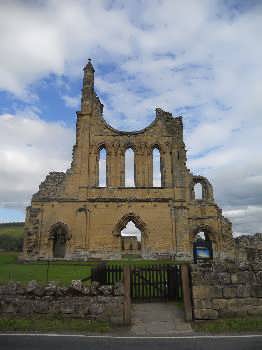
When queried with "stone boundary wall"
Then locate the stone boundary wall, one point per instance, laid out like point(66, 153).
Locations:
point(226, 290)
point(92, 302)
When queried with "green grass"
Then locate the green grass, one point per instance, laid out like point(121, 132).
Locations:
point(12, 229)
point(62, 273)
point(42, 324)
point(10, 269)
point(230, 325)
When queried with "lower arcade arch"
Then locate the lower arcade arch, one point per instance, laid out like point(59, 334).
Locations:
point(131, 231)
point(59, 235)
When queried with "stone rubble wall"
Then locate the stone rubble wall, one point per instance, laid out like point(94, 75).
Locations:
point(226, 290)
point(248, 247)
point(94, 302)
point(52, 187)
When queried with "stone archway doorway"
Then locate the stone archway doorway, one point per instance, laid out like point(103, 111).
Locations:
point(134, 243)
point(59, 236)
point(131, 239)
point(202, 244)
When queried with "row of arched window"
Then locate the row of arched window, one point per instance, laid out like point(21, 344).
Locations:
point(129, 168)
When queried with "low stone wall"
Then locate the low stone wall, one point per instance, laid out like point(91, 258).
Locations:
point(92, 302)
point(226, 289)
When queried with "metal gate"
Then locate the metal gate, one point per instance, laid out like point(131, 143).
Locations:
point(161, 282)
point(156, 282)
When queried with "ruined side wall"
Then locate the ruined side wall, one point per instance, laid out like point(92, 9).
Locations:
point(76, 301)
point(223, 289)
point(248, 247)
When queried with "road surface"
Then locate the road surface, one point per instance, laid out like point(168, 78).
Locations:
point(78, 342)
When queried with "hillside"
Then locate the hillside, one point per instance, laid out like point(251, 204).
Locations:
point(12, 229)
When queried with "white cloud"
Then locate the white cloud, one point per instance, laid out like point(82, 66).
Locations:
point(72, 101)
point(30, 148)
point(198, 58)
point(247, 219)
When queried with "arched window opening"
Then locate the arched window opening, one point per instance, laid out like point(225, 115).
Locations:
point(131, 230)
point(156, 168)
point(102, 181)
point(131, 237)
point(198, 190)
point(129, 168)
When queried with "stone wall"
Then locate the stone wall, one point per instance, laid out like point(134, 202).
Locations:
point(226, 289)
point(92, 302)
point(249, 247)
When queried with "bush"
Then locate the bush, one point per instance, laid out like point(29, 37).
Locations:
point(11, 243)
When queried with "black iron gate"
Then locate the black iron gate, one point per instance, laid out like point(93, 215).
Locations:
point(160, 282)
point(156, 282)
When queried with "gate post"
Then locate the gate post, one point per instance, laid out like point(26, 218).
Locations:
point(186, 292)
point(127, 298)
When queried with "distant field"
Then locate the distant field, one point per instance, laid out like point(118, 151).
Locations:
point(12, 229)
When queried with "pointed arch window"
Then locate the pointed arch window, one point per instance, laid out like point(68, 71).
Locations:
point(157, 175)
point(131, 230)
point(102, 167)
point(129, 168)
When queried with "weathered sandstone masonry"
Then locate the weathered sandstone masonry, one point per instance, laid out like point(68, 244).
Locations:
point(94, 302)
point(248, 247)
point(73, 217)
point(227, 289)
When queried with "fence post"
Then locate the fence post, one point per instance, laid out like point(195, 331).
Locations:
point(186, 292)
point(47, 270)
point(127, 298)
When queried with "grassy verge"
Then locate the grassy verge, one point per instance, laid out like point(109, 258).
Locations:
point(52, 325)
point(230, 325)
point(61, 272)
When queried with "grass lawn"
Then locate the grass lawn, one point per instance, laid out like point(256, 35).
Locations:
point(62, 272)
point(12, 229)
point(230, 325)
point(42, 324)
point(10, 269)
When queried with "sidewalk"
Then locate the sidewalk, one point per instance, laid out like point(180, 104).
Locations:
point(158, 319)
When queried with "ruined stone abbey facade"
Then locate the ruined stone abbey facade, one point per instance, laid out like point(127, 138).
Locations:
point(72, 217)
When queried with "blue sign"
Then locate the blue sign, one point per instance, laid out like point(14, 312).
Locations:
point(202, 251)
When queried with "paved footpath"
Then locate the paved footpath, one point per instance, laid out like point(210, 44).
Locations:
point(69, 342)
point(154, 319)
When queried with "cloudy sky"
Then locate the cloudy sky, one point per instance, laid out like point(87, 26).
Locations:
point(199, 59)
